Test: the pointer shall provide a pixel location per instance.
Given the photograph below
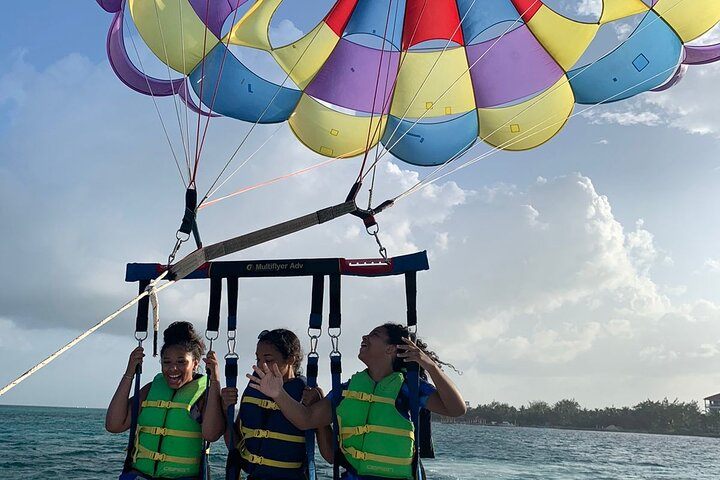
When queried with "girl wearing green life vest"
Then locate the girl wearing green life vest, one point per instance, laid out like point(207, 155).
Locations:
point(169, 437)
point(375, 436)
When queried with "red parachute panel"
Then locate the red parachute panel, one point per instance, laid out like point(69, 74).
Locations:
point(431, 20)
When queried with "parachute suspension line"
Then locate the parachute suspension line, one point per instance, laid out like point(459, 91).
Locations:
point(262, 114)
point(85, 334)
point(191, 179)
point(549, 91)
point(202, 86)
point(217, 83)
point(175, 101)
point(370, 134)
point(157, 108)
point(269, 182)
point(404, 116)
point(427, 180)
point(427, 76)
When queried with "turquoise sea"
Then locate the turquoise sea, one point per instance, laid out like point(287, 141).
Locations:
point(71, 443)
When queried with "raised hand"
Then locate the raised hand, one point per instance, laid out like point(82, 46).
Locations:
point(312, 395)
point(136, 358)
point(229, 396)
point(211, 363)
point(266, 380)
point(410, 352)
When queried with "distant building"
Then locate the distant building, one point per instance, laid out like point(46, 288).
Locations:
point(712, 403)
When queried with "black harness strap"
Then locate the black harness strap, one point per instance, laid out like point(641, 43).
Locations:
point(231, 375)
point(334, 330)
point(314, 325)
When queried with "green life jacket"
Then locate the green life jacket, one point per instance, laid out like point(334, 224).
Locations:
point(169, 441)
point(374, 437)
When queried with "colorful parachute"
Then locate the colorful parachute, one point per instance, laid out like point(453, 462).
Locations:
point(426, 78)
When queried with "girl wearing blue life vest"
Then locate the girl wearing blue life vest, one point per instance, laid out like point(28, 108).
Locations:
point(375, 436)
point(169, 437)
point(266, 445)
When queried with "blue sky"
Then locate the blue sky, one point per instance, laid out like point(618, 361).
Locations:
point(587, 268)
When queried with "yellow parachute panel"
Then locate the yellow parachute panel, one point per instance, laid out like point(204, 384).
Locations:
point(689, 18)
point(332, 133)
point(530, 123)
point(617, 9)
point(564, 39)
point(304, 58)
point(252, 30)
point(447, 90)
point(173, 31)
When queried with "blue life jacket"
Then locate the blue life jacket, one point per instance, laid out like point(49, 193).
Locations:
point(270, 446)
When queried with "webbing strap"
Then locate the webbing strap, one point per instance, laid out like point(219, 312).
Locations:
point(314, 323)
point(348, 432)
point(335, 372)
point(357, 454)
point(335, 318)
point(143, 452)
point(134, 411)
point(258, 460)
point(367, 397)
point(231, 370)
point(232, 302)
point(412, 378)
point(141, 321)
point(411, 298)
point(266, 404)
point(213, 321)
point(165, 404)
point(169, 432)
point(260, 433)
point(316, 307)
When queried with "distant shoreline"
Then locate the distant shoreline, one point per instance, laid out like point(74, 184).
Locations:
point(584, 429)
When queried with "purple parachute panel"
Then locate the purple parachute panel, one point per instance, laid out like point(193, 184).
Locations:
point(701, 54)
point(111, 6)
point(357, 77)
point(214, 14)
point(511, 67)
point(134, 78)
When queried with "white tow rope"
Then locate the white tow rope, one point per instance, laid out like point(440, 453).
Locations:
point(151, 291)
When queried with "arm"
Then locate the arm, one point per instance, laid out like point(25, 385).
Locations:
point(324, 434)
point(325, 443)
point(447, 399)
point(118, 415)
point(213, 424)
point(270, 383)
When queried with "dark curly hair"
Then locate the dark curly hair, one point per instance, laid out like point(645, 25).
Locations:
point(183, 334)
point(396, 332)
point(287, 343)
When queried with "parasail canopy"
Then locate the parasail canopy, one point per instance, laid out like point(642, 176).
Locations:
point(425, 78)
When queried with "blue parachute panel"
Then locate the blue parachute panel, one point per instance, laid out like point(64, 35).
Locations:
point(644, 61)
point(371, 16)
point(478, 16)
point(429, 144)
point(240, 93)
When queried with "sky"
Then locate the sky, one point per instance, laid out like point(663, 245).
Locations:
point(587, 268)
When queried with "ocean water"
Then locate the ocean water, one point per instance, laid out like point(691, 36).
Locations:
point(71, 443)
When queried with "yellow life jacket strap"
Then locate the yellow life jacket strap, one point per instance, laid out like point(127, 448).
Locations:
point(165, 404)
point(168, 432)
point(358, 455)
point(266, 404)
point(258, 460)
point(348, 432)
point(367, 397)
point(259, 433)
point(142, 452)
